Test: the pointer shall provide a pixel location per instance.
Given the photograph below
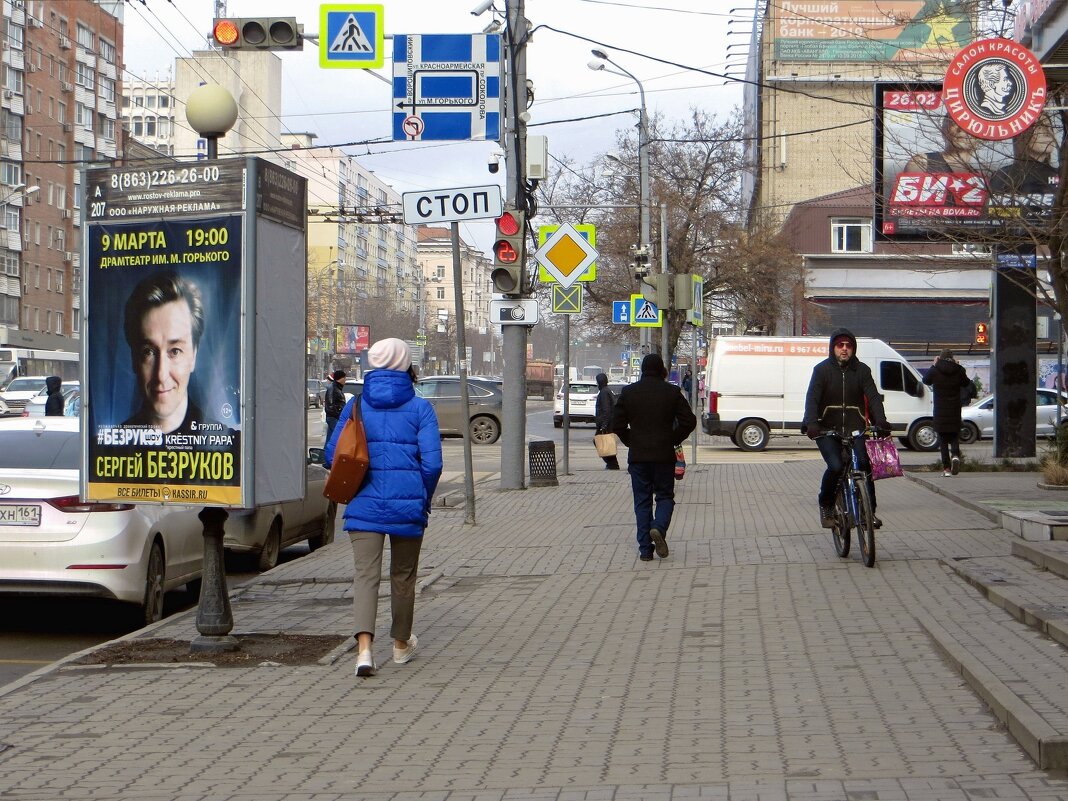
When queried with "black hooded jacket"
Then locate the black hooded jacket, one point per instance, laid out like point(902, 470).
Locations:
point(837, 393)
point(947, 379)
point(54, 403)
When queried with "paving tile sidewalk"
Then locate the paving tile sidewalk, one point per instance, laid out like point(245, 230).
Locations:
point(750, 664)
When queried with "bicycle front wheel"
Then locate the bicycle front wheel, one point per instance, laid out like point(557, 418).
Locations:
point(843, 522)
point(866, 523)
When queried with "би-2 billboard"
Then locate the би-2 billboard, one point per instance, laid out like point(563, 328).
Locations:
point(869, 30)
point(934, 180)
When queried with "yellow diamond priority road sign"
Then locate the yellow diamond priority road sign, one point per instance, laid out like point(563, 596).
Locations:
point(566, 255)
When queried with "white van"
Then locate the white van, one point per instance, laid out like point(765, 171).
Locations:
point(756, 387)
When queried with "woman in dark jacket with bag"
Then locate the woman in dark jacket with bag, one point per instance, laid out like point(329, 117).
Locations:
point(404, 446)
point(602, 416)
point(947, 379)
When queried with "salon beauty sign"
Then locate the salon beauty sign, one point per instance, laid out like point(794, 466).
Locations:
point(994, 89)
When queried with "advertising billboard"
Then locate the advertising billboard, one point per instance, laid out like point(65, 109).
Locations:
point(935, 181)
point(351, 339)
point(164, 348)
point(869, 30)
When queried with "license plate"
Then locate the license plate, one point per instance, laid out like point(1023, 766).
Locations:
point(20, 515)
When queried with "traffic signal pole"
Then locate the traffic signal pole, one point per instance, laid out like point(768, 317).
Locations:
point(513, 438)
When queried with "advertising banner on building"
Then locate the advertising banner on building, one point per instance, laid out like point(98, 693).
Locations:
point(936, 181)
point(163, 360)
point(869, 30)
point(351, 339)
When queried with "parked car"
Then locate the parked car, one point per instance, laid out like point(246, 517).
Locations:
point(977, 420)
point(72, 396)
point(581, 402)
point(53, 544)
point(315, 387)
point(484, 411)
point(19, 391)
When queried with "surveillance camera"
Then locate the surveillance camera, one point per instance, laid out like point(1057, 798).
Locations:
point(482, 8)
point(495, 157)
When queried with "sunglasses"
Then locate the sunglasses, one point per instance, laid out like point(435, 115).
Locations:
point(844, 345)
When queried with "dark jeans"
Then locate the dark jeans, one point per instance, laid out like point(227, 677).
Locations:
point(331, 424)
point(649, 479)
point(948, 442)
point(831, 450)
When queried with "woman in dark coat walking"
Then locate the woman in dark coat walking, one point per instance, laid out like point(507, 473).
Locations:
point(947, 378)
point(603, 416)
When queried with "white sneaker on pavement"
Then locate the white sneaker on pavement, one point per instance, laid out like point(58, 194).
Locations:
point(403, 655)
point(365, 664)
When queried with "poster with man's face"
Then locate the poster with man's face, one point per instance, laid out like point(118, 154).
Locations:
point(935, 181)
point(164, 360)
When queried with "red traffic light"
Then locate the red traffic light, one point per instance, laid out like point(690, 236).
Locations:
point(225, 32)
point(504, 252)
point(982, 334)
point(507, 225)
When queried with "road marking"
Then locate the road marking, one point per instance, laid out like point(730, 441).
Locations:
point(26, 661)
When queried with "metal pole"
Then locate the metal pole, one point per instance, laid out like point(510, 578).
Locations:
point(645, 223)
point(565, 387)
point(461, 360)
point(514, 337)
point(693, 392)
point(665, 334)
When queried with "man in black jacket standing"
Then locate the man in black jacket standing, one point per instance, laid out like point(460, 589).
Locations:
point(651, 418)
point(334, 402)
point(842, 397)
point(949, 381)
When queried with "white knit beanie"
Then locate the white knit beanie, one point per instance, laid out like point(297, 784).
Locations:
point(389, 354)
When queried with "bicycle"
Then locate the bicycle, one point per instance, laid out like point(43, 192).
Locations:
point(852, 502)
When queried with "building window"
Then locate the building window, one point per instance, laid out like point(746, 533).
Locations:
point(107, 86)
point(440, 271)
point(850, 235)
point(440, 293)
point(138, 127)
point(59, 283)
point(59, 322)
point(85, 76)
point(150, 126)
point(107, 51)
point(85, 37)
point(10, 173)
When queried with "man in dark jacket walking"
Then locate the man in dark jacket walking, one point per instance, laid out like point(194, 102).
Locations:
point(334, 401)
point(842, 397)
point(54, 402)
point(651, 418)
point(948, 380)
point(602, 416)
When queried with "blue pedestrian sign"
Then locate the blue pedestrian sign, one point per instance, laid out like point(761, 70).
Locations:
point(352, 36)
point(621, 314)
point(447, 87)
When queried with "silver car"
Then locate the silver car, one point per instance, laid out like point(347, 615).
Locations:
point(977, 420)
point(483, 416)
point(51, 543)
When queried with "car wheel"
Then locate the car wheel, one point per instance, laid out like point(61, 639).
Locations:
point(268, 557)
point(152, 606)
point(969, 433)
point(558, 422)
point(485, 430)
point(326, 535)
point(923, 436)
point(751, 435)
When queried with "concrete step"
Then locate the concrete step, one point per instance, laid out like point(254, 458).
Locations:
point(1034, 596)
point(1052, 556)
point(1014, 668)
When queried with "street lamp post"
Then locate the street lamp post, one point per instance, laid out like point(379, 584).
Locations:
point(644, 223)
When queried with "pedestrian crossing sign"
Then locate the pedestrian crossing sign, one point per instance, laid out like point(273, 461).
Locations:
point(352, 36)
point(644, 314)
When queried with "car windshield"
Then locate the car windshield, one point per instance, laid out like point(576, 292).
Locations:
point(48, 450)
point(26, 385)
point(583, 389)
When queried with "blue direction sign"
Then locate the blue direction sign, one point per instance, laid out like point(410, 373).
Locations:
point(447, 87)
point(621, 313)
point(352, 36)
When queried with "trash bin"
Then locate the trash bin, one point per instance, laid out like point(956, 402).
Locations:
point(542, 463)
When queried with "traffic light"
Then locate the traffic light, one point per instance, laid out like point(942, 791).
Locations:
point(258, 33)
point(509, 253)
point(982, 334)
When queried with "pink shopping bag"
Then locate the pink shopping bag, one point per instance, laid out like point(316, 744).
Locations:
point(882, 453)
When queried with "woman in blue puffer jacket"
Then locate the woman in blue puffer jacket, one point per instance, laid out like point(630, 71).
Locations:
point(405, 453)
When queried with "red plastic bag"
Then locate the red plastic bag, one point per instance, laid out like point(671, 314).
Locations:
point(680, 463)
point(882, 453)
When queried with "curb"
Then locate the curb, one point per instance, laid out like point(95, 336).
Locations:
point(1045, 745)
point(993, 515)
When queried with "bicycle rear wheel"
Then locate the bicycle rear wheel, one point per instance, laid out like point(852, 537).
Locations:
point(866, 524)
point(842, 524)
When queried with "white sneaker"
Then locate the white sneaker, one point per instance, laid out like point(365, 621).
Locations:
point(402, 655)
point(946, 474)
point(365, 664)
point(955, 466)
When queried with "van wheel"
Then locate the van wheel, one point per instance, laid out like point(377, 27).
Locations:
point(751, 435)
point(923, 437)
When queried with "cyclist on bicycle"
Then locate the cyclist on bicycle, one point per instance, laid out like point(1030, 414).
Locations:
point(840, 391)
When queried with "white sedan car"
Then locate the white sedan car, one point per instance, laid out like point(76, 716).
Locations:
point(581, 403)
point(53, 544)
point(977, 420)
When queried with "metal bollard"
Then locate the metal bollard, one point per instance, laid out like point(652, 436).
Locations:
point(543, 463)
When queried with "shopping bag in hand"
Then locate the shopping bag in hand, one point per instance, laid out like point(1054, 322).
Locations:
point(882, 453)
point(680, 463)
